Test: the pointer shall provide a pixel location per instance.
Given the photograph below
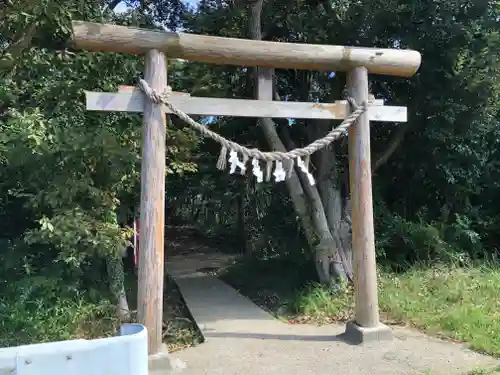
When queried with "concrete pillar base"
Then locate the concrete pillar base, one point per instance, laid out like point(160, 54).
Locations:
point(163, 363)
point(356, 334)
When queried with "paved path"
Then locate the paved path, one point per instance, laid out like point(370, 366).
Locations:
point(243, 339)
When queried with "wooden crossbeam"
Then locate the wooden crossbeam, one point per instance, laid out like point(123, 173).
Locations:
point(132, 100)
point(132, 89)
point(219, 50)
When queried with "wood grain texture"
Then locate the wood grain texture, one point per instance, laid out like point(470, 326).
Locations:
point(151, 246)
point(360, 180)
point(134, 89)
point(134, 102)
point(244, 52)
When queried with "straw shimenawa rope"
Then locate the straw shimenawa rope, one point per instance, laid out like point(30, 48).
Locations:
point(268, 157)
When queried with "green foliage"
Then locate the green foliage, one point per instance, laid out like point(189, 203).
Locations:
point(44, 299)
point(68, 177)
point(436, 198)
point(71, 168)
point(446, 163)
point(29, 320)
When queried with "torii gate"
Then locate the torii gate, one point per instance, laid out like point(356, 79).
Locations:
point(356, 61)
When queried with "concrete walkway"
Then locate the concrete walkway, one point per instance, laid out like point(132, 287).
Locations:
point(243, 339)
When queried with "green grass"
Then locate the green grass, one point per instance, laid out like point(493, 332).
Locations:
point(54, 319)
point(35, 311)
point(459, 304)
point(455, 303)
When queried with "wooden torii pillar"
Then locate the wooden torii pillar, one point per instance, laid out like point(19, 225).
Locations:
point(357, 62)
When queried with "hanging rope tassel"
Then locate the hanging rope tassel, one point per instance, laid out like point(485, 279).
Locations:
point(234, 161)
point(221, 162)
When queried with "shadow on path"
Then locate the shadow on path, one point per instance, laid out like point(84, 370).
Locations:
point(274, 336)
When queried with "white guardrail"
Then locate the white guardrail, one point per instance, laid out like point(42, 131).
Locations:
point(126, 354)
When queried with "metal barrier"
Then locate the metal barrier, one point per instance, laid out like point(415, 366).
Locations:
point(126, 354)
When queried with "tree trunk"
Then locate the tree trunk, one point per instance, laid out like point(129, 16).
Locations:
point(308, 203)
point(274, 141)
point(326, 210)
point(116, 279)
point(337, 216)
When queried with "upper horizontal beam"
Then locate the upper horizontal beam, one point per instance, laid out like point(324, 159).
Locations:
point(133, 101)
point(231, 51)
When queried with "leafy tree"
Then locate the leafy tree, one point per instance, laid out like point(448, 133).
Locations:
point(452, 103)
point(70, 174)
